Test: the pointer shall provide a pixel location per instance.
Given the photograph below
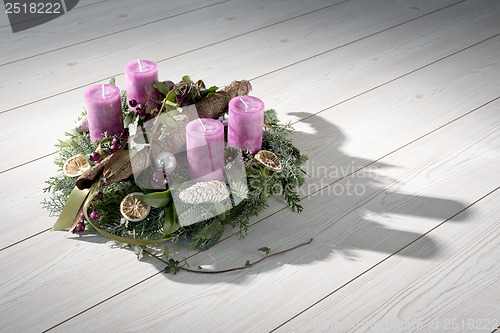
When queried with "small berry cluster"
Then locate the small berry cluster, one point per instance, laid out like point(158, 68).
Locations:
point(141, 109)
point(80, 226)
point(115, 144)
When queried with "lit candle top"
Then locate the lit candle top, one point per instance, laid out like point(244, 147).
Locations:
point(246, 105)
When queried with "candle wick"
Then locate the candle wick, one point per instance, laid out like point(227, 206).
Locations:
point(140, 66)
point(102, 91)
point(246, 106)
point(204, 129)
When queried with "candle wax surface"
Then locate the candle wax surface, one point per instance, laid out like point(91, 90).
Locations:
point(209, 127)
point(140, 81)
point(98, 93)
point(245, 123)
point(205, 149)
point(146, 66)
point(250, 107)
point(104, 110)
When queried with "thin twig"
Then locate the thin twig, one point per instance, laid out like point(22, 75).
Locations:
point(248, 264)
point(268, 126)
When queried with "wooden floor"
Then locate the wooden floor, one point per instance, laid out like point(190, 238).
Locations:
point(395, 101)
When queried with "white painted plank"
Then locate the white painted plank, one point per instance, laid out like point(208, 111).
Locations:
point(347, 240)
point(348, 234)
point(86, 23)
point(365, 51)
point(458, 291)
point(104, 57)
point(344, 120)
point(204, 291)
point(51, 280)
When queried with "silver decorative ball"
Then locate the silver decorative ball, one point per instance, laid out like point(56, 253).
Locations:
point(166, 162)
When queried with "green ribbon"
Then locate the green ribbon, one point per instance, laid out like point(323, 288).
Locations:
point(84, 197)
point(71, 209)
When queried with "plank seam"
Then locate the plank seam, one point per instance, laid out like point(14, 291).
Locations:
point(359, 39)
point(104, 300)
point(24, 239)
point(383, 260)
point(472, 244)
point(397, 78)
point(28, 162)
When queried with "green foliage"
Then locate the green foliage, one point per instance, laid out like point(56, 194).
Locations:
point(266, 250)
point(162, 87)
point(158, 199)
point(251, 193)
point(185, 92)
point(292, 176)
point(61, 186)
point(205, 234)
point(172, 267)
point(75, 144)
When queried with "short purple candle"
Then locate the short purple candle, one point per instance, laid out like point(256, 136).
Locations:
point(140, 77)
point(104, 110)
point(205, 149)
point(246, 119)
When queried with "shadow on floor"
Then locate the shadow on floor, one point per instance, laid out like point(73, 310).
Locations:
point(348, 213)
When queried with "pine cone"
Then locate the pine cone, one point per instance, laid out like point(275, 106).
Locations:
point(238, 88)
point(231, 153)
point(247, 157)
point(204, 192)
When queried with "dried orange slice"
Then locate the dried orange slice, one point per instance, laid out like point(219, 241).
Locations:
point(133, 208)
point(268, 160)
point(75, 166)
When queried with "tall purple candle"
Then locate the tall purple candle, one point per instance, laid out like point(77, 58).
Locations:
point(205, 149)
point(140, 77)
point(246, 119)
point(104, 110)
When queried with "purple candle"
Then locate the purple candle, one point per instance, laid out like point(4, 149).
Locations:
point(205, 149)
point(104, 110)
point(140, 77)
point(246, 119)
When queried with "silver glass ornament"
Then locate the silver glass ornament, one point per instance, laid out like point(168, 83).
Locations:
point(166, 161)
